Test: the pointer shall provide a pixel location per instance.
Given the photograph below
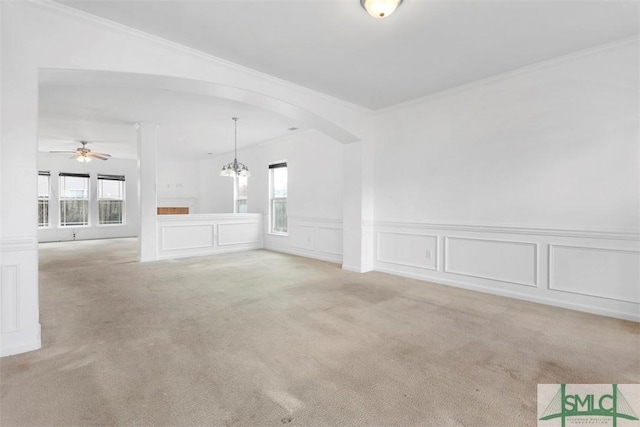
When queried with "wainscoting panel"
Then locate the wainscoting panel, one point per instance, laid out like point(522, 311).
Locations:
point(206, 234)
point(19, 313)
point(319, 238)
point(412, 250)
point(329, 240)
point(503, 261)
point(597, 272)
point(302, 236)
point(238, 234)
point(187, 236)
point(9, 297)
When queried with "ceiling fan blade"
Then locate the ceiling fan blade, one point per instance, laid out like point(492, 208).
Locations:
point(84, 152)
point(101, 154)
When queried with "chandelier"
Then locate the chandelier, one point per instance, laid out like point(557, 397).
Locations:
point(235, 168)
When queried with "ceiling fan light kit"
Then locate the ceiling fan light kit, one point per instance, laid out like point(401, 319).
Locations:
point(380, 8)
point(84, 154)
point(235, 168)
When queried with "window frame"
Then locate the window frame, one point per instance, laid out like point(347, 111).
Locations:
point(236, 194)
point(119, 178)
point(273, 200)
point(63, 199)
point(47, 199)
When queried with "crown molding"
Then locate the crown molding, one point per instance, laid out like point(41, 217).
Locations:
point(70, 11)
point(508, 75)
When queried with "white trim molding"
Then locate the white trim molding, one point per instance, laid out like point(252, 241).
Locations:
point(311, 237)
point(607, 234)
point(511, 74)
point(12, 244)
point(206, 234)
point(593, 267)
point(425, 258)
point(500, 260)
point(596, 271)
point(19, 320)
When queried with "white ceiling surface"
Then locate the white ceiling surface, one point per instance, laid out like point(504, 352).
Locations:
point(334, 47)
point(189, 124)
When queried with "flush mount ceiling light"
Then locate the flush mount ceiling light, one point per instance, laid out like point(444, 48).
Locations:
point(235, 168)
point(380, 8)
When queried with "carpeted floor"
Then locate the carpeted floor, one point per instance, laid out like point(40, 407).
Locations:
point(267, 339)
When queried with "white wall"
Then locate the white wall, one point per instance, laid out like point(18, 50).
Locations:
point(314, 201)
point(554, 146)
point(59, 163)
point(549, 153)
point(526, 184)
point(83, 42)
point(178, 183)
point(216, 192)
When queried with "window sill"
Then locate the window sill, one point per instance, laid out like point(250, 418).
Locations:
point(272, 233)
point(111, 225)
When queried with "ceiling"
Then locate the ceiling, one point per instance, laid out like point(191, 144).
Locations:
point(189, 124)
point(332, 46)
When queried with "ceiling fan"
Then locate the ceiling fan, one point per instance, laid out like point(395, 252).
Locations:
point(84, 154)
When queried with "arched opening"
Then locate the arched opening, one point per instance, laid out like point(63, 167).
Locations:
point(190, 128)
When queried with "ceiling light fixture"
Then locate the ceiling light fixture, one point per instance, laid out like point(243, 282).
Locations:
point(83, 158)
point(84, 154)
point(380, 8)
point(235, 168)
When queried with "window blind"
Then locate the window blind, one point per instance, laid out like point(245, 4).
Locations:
point(112, 177)
point(77, 175)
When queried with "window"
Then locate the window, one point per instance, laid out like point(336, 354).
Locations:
point(278, 197)
point(74, 199)
point(241, 194)
point(44, 190)
point(110, 199)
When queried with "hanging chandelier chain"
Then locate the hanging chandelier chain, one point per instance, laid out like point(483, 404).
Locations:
point(235, 168)
point(235, 138)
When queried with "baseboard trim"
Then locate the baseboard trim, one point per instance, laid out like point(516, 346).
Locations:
point(356, 269)
point(633, 317)
point(21, 341)
point(200, 253)
point(337, 259)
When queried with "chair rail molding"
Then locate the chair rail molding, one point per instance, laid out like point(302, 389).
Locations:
point(595, 271)
point(608, 234)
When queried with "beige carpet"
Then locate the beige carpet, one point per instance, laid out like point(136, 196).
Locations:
point(266, 339)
